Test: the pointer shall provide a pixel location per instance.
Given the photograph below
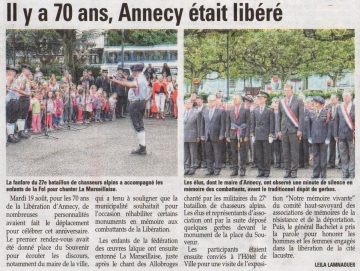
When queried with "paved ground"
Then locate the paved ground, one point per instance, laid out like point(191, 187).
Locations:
point(102, 149)
point(274, 173)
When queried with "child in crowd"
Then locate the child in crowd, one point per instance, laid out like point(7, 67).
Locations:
point(80, 100)
point(73, 97)
point(49, 107)
point(36, 119)
point(88, 107)
point(98, 105)
point(67, 103)
point(93, 94)
point(58, 110)
point(112, 103)
point(104, 106)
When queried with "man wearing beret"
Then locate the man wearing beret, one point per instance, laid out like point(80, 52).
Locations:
point(318, 130)
point(344, 133)
point(137, 95)
point(291, 118)
point(262, 134)
point(213, 132)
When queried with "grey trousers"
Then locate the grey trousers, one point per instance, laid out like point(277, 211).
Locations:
point(189, 155)
point(319, 153)
point(290, 145)
point(347, 155)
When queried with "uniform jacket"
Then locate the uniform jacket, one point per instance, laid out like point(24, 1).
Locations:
point(192, 126)
point(304, 129)
point(285, 124)
point(317, 127)
point(262, 125)
point(214, 128)
point(341, 129)
point(243, 117)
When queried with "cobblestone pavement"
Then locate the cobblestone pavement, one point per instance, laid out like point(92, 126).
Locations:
point(102, 149)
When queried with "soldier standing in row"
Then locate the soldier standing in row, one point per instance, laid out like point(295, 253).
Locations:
point(262, 134)
point(319, 136)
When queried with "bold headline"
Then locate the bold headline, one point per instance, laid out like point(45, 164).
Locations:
point(241, 12)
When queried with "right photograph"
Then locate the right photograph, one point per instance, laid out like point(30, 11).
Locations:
point(269, 103)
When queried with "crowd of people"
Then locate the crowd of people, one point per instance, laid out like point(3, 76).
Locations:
point(35, 105)
point(288, 134)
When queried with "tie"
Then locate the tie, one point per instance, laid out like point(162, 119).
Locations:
point(261, 110)
point(288, 102)
point(186, 116)
point(211, 114)
point(317, 113)
point(236, 112)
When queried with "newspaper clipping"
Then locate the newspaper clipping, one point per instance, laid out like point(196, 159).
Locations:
point(211, 135)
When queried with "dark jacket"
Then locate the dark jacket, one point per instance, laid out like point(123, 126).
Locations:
point(263, 125)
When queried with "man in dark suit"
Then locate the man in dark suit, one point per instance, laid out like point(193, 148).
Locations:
point(191, 137)
point(304, 143)
point(201, 157)
point(291, 118)
point(238, 134)
point(103, 82)
point(344, 133)
point(318, 132)
point(212, 132)
point(262, 134)
point(121, 93)
point(332, 146)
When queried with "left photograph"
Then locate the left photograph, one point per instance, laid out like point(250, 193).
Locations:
point(91, 103)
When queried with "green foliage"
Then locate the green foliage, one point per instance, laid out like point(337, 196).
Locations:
point(262, 54)
point(141, 37)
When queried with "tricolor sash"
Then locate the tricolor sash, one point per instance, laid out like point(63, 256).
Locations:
point(290, 114)
point(347, 117)
point(240, 130)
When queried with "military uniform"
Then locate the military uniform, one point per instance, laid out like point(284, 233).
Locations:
point(319, 135)
point(304, 143)
point(24, 101)
point(332, 145)
point(262, 128)
point(12, 111)
point(137, 96)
